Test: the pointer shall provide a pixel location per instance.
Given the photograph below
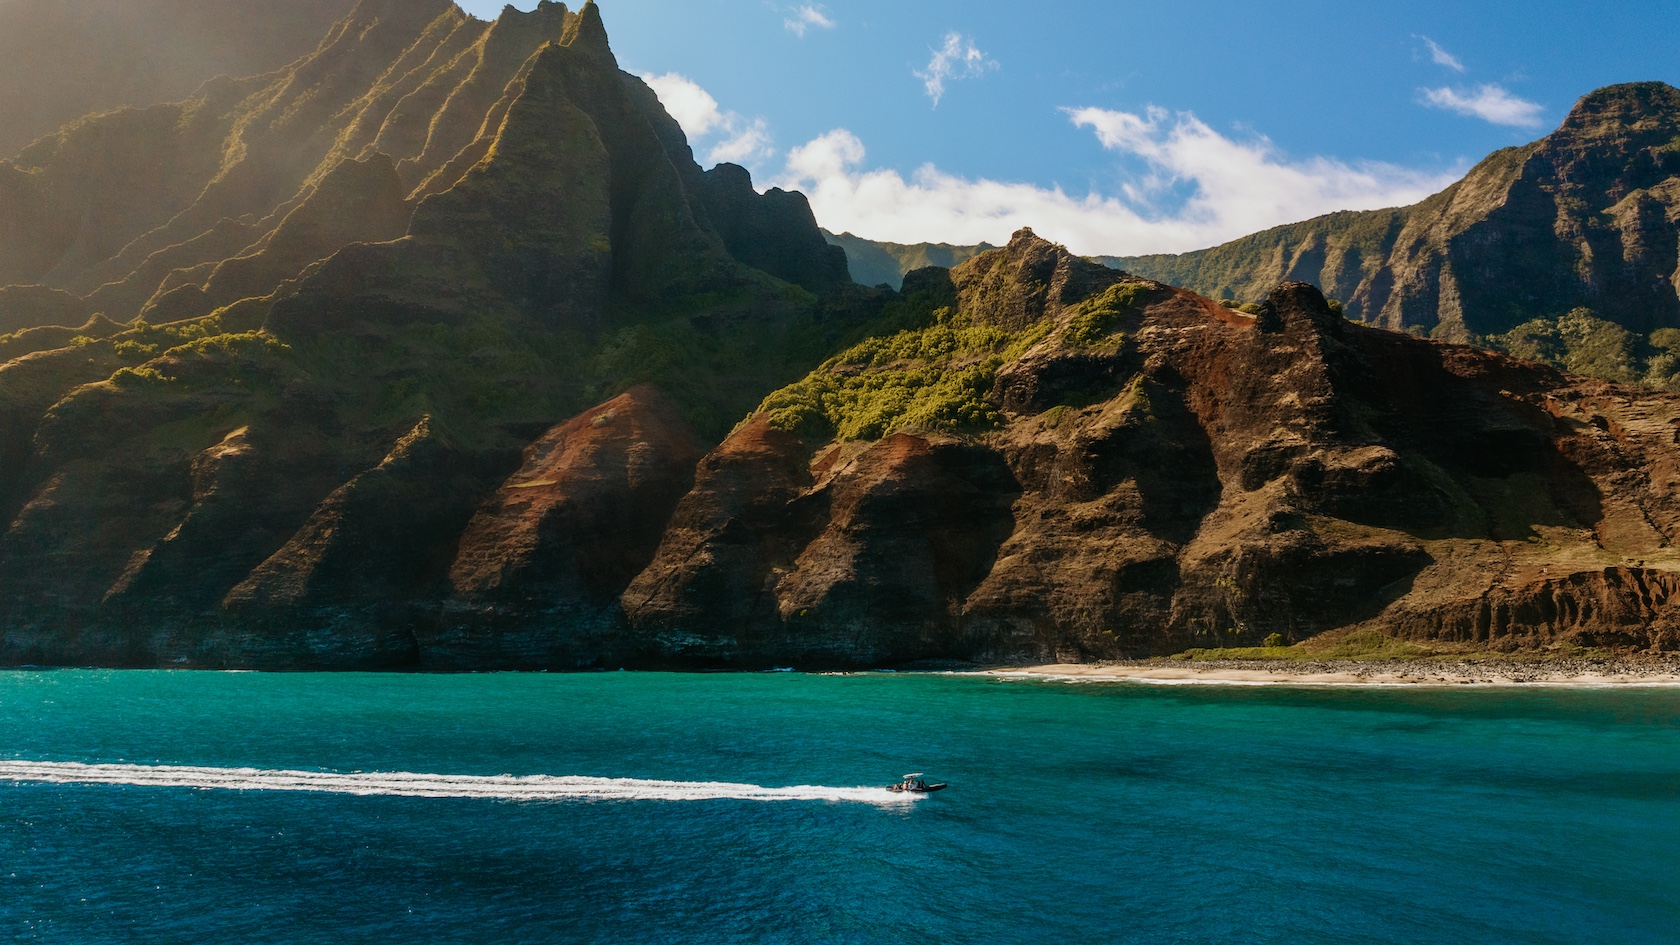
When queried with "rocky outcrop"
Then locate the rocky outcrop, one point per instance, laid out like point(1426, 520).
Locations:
point(1198, 477)
point(342, 590)
point(850, 561)
point(774, 231)
point(539, 570)
point(1032, 281)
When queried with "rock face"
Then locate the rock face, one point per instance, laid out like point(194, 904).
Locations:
point(540, 567)
point(1197, 477)
point(850, 560)
point(1587, 216)
point(757, 229)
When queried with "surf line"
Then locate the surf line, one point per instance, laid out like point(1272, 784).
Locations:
point(538, 787)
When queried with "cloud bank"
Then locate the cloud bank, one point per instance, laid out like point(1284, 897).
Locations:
point(1234, 188)
point(1192, 187)
point(1490, 103)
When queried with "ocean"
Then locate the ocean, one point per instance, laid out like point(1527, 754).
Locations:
point(177, 807)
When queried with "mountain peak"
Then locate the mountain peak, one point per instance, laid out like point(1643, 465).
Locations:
point(1628, 103)
point(587, 32)
point(1026, 281)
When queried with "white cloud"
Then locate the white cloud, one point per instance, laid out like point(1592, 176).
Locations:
point(1490, 103)
point(736, 139)
point(958, 59)
point(692, 106)
point(807, 18)
point(1234, 188)
point(748, 143)
point(1441, 57)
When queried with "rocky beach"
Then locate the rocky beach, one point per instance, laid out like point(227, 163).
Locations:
point(1615, 672)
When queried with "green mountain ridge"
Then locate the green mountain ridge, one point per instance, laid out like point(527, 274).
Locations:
point(436, 349)
point(873, 263)
point(370, 278)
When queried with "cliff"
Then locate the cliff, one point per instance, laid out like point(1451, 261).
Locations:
point(271, 348)
point(1067, 462)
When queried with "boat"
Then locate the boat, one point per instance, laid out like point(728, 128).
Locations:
point(916, 784)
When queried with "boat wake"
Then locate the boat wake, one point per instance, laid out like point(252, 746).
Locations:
point(402, 784)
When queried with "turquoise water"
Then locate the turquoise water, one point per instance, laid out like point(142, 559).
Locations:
point(1085, 813)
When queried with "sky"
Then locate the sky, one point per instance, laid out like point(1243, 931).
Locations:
point(1121, 127)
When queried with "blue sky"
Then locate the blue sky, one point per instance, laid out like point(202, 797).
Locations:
point(1122, 127)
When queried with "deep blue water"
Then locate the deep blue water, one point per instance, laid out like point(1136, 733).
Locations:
point(1084, 813)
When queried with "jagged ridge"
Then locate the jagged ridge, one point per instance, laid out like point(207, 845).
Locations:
point(368, 282)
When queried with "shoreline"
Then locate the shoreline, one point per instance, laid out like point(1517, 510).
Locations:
point(1654, 673)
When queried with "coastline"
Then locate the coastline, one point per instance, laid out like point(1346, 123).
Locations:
point(1452, 673)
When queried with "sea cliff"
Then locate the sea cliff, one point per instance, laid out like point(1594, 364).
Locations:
point(436, 349)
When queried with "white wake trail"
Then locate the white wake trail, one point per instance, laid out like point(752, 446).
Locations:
point(538, 787)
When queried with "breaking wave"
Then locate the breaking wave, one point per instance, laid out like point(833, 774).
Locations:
point(402, 784)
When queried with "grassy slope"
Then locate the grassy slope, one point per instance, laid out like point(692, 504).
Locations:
point(928, 367)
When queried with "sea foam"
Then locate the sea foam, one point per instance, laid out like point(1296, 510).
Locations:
point(404, 784)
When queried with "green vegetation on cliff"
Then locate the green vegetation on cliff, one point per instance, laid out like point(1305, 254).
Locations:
point(936, 376)
point(1580, 342)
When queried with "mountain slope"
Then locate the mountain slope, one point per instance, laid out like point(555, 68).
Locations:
point(352, 331)
point(1064, 462)
point(128, 208)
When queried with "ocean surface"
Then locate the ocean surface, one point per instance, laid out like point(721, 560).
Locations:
point(214, 807)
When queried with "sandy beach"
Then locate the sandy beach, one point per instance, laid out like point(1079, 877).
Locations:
point(1575, 673)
